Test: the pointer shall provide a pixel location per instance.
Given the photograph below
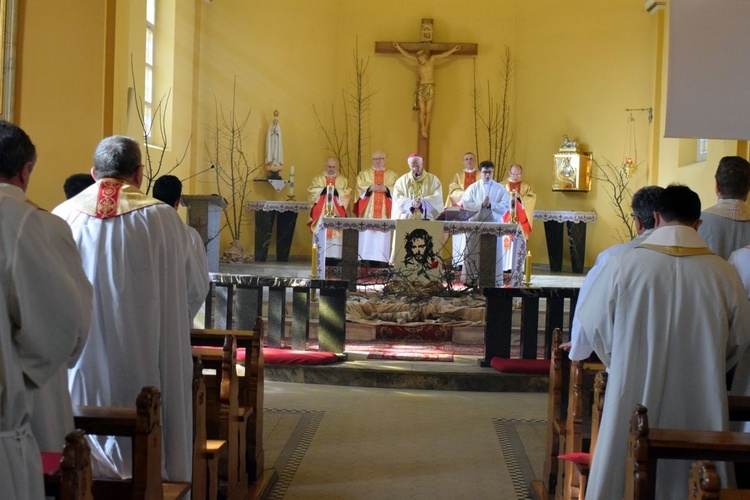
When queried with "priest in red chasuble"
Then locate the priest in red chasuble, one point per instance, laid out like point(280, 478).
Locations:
point(525, 201)
point(459, 183)
point(374, 191)
point(329, 195)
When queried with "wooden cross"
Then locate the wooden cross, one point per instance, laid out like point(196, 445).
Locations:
point(424, 54)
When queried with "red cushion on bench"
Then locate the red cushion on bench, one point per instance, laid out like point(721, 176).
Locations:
point(580, 458)
point(505, 365)
point(51, 461)
point(289, 357)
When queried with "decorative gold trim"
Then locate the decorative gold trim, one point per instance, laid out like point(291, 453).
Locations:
point(676, 251)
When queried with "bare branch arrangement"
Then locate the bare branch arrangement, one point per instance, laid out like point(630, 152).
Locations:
point(153, 163)
point(495, 125)
point(345, 136)
point(616, 182)
point(233, 168)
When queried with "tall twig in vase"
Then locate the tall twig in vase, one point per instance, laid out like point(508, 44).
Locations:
point(616, 182)
point(233, 168)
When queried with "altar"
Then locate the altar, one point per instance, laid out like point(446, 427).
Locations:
point(553, 230)
point(285, 214)
point(488, 231)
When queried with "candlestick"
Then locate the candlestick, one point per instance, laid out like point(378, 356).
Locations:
point(527, 280)
point(314, 269)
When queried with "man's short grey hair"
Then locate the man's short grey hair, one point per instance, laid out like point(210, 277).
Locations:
point(117, 157)
point(417, 158)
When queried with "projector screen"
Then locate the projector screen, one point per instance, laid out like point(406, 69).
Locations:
point(708, 81)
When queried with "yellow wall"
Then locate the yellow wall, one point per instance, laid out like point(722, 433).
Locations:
point(59, 91)
point(578, 65)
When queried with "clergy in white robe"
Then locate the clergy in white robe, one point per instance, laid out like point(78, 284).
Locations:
point(460, 182)
point(740, 259)
point(374, 201)
point(668, 319)
point(643, 206)
point(492, 202)
point(334, 199)
point(147, 287)
point(726, 225)
point(168, 188)
point(46, 300)
point(417, 194)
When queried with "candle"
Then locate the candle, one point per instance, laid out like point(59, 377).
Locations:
point(314, 269)
point(291, 181)
point(528, 267)
point(329, 200)
point(513, 206)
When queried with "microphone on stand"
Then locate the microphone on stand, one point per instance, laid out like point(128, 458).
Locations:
point(199, 173)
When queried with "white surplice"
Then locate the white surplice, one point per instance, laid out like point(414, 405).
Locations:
point(47, 304)
point(740, 259)
point(147, 287)
point(667, 327)
point(726, 226)
point(499, 204)
point(580, 347)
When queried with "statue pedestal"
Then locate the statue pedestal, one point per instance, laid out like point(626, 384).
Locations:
point(204, 215)
point(553, 230)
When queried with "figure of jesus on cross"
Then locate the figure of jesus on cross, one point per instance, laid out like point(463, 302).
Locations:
point(425, 54)
point(426, 83)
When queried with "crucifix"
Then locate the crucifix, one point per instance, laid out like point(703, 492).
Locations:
point(425, 54)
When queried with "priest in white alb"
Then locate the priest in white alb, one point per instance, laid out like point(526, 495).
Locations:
point(46, 308)
point(492, 202)
point(329, 195)
point(417, 194)
point(668, 319)
point(147, 288)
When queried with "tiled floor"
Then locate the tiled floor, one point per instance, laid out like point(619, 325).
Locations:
point(404, 444)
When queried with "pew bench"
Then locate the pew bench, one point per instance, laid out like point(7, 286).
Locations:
point(705, 484)
point(250, 391)
point(206, 452)
point(68, 475)
point(142, 425)
point(225, 418)
point(648, 445)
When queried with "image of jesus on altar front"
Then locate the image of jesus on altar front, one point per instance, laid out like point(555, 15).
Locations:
point(417, 257)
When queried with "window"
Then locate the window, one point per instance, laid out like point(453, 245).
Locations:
point(701, 150)
point(148, 89)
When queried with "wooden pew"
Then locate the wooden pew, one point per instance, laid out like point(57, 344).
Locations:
point(143, 425)
point(206, 452)
point(72, 479)
point(705, 484)
point(250, 392)
point(583, 465)
point(578, 425)
point(557, 409)
point(225, 419)
point(647, 445)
